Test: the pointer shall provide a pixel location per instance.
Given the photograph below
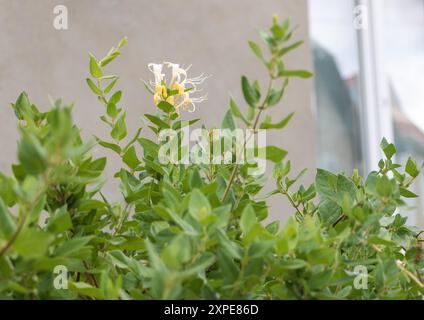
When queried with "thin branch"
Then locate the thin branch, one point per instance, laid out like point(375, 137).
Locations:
point(291, 200)
point(262, 107)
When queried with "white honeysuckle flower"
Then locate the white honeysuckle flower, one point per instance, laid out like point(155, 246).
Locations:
point(189, 104)
point(179, 90)
point(157, 71)
point(177, 72)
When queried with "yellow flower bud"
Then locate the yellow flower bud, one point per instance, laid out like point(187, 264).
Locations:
point(170, 100)
point(156, 98)
point(164, 92)
point(178, 87)
point(158, 89)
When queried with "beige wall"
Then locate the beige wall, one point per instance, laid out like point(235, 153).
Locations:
point(211, 35)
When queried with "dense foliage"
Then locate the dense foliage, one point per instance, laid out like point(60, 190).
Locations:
point(190, 231)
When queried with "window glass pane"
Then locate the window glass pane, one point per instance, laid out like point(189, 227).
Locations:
point(404, 60)
point(336, 84)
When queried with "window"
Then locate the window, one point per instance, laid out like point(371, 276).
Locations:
point(336, 65)
point(404, 60)
point(369, 84)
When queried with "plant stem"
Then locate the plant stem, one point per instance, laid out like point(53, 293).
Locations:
point(291, 200)
point(9, 243)
point(22, 221)
point(262, 107)
point(410, 275)
point(125, 215)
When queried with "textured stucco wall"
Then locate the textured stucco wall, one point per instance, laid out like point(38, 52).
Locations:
point(212, 35)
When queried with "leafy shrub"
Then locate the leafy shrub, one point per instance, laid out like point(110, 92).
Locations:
point(190, 231)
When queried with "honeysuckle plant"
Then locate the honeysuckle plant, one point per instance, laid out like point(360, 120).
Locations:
point(197, 231)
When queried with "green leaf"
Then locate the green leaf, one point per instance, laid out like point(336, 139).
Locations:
point(116, 97)
point(323, 256)
point(93, 87)
point(287, 239)
point(92, 169)
point(326, 183)
point(109, 145)
point(148, 88)
point(336, 188)
point(411, 168)
point(87, 205)
point(119, 131)
point(236, 111)
point(183, 123)
point(149, 147)
point(278, 31)
point(389, 149)
point(84, 289)
point(384, 186)
point(123, 42)
point(199, 206)
point(60, 221)
point(256, 50)
point(177, 252)
point(36, 210)
point(345, 186)
point(130, 158)
point(228, 121)
point(275, 97)
point(157, 121)
point(23, 107)
point(200, 265)
point(228, 268)
point(273, 227)
point(281, 170)
point(407, 194)
point(95, 70)
point(154, 166)
point(286, 50)
point(32, 243)
point(108, 77)
point(295, 73)
point(111, 110)
point(278, 125)
point(110, 86)
point(274, 154)
point(72, 246)
point(7, 224)
point(166, 107)
point(266, 37)
point(329, 211)
point(248, 219)
point(32, 155)
point(294, 264)
point(184, 225)
point(133, 139)
point(251, 112)
point(248, 92)
point(109, 58)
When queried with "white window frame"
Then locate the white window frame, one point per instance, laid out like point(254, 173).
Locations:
point(376, 114)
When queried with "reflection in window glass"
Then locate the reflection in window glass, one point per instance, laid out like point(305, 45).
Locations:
point(336, 85)
point(404, 55)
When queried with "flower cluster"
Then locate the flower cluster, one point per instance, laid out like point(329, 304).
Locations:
point(179, 90)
